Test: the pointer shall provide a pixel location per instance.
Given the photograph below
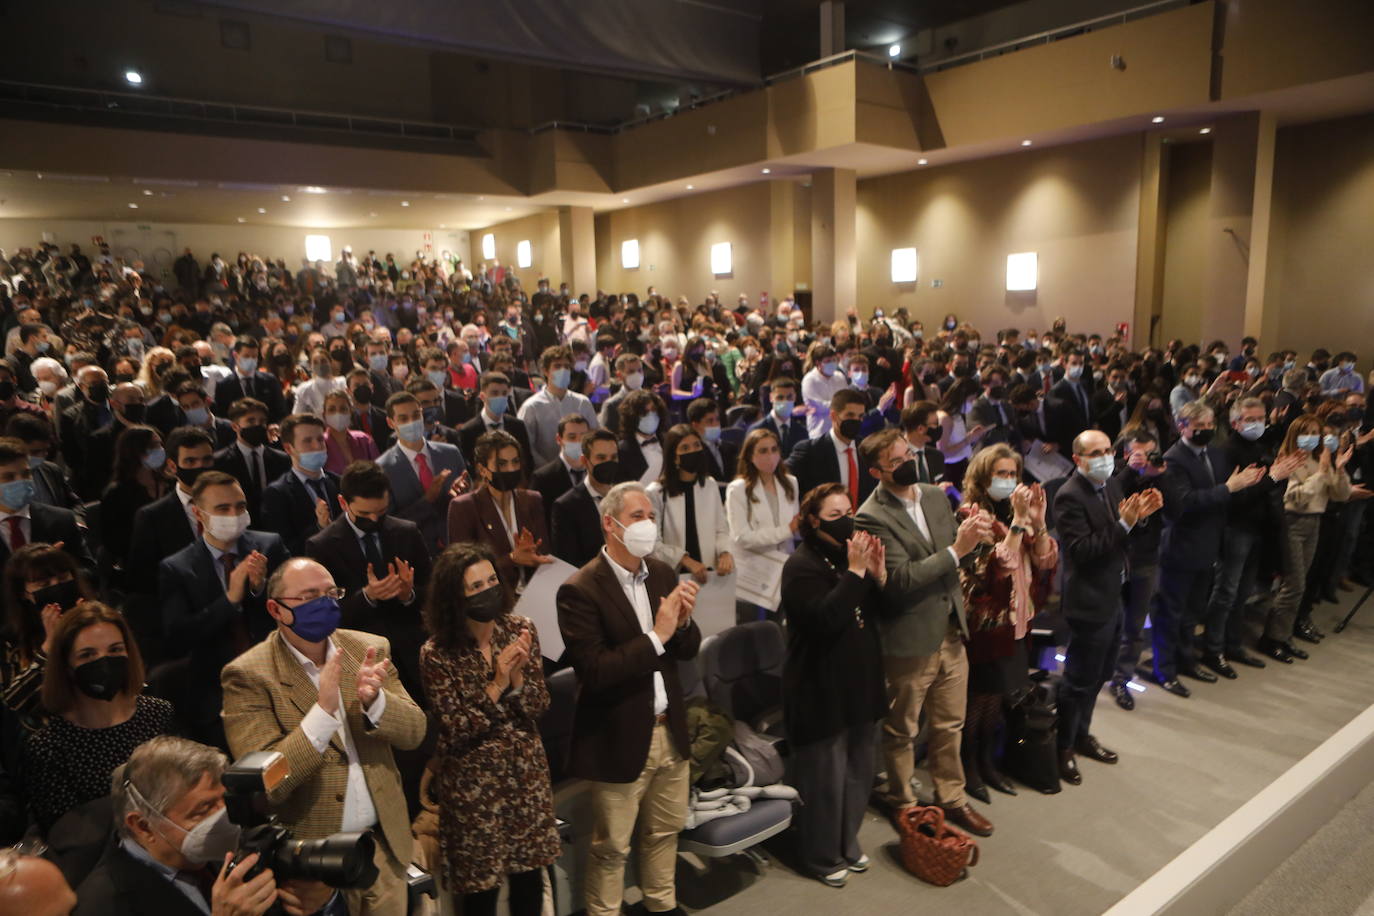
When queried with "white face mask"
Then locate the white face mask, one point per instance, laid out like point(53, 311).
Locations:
point(226, 528)
point(639, 537)
point(204, 843)
point(339, 421)
point(634, 381)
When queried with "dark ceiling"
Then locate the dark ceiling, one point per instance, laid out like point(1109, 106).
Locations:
point(790, 33)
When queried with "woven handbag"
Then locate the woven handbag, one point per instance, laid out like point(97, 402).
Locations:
point(931, 849)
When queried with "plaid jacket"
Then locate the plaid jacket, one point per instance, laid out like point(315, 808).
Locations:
point(266, 695)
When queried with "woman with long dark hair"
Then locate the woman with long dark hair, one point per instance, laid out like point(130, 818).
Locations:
point(484, 677)
point(761, 508)
point(41, 583)
point(139, 477)
point(958, 439)
point(694, 536)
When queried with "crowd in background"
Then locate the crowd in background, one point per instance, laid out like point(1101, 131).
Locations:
point(228, 490)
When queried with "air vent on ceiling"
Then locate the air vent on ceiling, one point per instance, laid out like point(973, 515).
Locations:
point(338, 49)
point(235, 35)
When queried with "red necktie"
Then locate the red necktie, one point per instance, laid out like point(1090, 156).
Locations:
point(853, 477)
point(426, 475)
point(16, 533)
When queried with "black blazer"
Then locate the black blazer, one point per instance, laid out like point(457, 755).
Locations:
point(230, 460)
point(1002, 424)
point(814, 462)
point(222, 431)
point(935, 465)
point(1107, 412)
point(198, 620)
point(376, 427)
point(336, 548)
point(552, 481)
point(48, 525)
point(472, 430)
point(1094, 546)
point(160, 529)
point(91, 474)
point(724, 469)
point(457, 409)
point(788, 437)
point(53, 488)
point(265, 387)
point(615, 663)
point(1194, 507)
point(288, 508)
point(575, 527)
point(1065, 413)
point(120, 885)
point(164, 413)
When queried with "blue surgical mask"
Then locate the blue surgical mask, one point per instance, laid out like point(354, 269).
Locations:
point(648, 424)
point(1309, 442)
point(496, 404)
point(1332, 443)
point(315, 620)
point(412, 431)
point(572, 450)
point(197, 416)
point(438, 377)
point(783, 409)
point(377, 362)
point(1074, 372)
point(155, 459)
point(314, 461)
point(1100, 468)
point(712, 434)
point(17, 494)
point(248, 363)
point(560, 378)
point(1001, 488)
point(1253, 430)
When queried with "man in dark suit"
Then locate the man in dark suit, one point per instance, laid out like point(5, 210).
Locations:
point(431, 398)
point(53, 488)
point(305, 499)
point(424, 475)
point(167, 525)
point(213, 596)
point(1093, 523)
point(494, 392)
point(1197, 486)
point(23, 521)
point(368, 417)
point(790, 429)
point(567, 470)
point(627, 622)
point(993, 412)
point(721, 454)
point(250, 460)
point(1069, 404)
point(195, 407)
point(457, 409)
point(383, 563)
point(575, 522)
point(249, 382)
point(90, 412)
point(835, 456)
point(1112, 405)
point(921, 424)
point(91, 476)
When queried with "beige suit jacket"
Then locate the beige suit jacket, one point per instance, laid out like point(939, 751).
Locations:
point(266, 695)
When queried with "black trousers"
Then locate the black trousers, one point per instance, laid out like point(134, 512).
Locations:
point(526, 896)
point(1180, 604)
point(1089, 662)
point(834, 777)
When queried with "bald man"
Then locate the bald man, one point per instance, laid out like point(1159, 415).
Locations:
point(33, 886)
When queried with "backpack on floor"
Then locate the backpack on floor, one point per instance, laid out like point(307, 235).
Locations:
point(1032, 745)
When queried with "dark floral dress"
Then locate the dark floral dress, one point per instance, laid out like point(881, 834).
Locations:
point(495, 800)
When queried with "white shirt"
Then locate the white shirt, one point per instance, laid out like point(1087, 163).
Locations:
point(186, 507)
point(310, 395)
point(840, 450)
point(918, 517)
point(816, 393)
point(638, 594)
point(541, 413)
point(653, 456)
point(359, 813)
point(411, 456)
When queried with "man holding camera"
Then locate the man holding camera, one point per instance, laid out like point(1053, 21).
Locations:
point(328, 700)
point(173, 844)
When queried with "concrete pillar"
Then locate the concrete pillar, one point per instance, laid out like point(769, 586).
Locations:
point(832, 27)
point(577, 249)
point(1150, 244)
point(1262, 310)
point(834, 265)
point(782, 257)
point(1230, 229)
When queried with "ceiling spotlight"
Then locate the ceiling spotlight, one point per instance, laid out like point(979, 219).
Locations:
point(262, 209)
point(1025, 143)
point(894, 51)
point(922, 161)
point(767, 171)
point(147, 193)
point(1205, 130)
point(242, 219)
point(133, 206)
point(286, 198)
point(133, 77)
point(1157, 119)
point(405, 203)
point(624, 200)
point(691, 187)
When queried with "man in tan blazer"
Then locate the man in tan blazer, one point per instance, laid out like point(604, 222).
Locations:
point(330, 701)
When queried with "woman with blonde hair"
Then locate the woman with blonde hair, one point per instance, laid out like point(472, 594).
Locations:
point(761, 508)
point(1004, 586)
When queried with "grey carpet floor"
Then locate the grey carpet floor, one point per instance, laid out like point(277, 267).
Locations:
point(1185, 766)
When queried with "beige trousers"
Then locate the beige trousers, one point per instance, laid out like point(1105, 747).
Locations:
point(657, 800)
point(939, 684)
point(388, 895)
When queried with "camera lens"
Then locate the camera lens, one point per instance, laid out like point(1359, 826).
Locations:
point(340, 860)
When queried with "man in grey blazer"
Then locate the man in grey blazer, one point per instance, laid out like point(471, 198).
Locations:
point(424, 475)
point(923, 623)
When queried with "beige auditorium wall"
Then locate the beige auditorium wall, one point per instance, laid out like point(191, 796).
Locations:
point(541, 231)
point(1320, 267)
point(161, 243)
point(675, 239)
point(1076, 206)
point(1187, 201)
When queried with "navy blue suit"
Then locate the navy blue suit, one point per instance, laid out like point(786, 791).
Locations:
point(288, 508)
point(788, 438)
point(815, 462)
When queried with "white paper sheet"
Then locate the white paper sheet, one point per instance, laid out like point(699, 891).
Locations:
point(715, 608)
point(538, 603)
point(760, 580)
point(1046, 466)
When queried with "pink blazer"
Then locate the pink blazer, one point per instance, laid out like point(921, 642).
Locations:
point(360, 448)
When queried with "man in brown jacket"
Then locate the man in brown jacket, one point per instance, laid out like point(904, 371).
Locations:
point(330, 702)
point(626, 622)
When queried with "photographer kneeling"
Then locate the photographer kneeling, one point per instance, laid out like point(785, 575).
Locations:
point(174, 840)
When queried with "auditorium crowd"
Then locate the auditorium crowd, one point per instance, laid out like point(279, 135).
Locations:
point(245, 507)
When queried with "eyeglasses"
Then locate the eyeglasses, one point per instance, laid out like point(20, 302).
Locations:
point(336, 593)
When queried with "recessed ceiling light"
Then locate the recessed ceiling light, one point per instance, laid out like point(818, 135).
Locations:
point(767, 171)
point(242, 219)
point(691, 187)
point(922, 161)
point(147, 193)
point(405, 203)
point(894, 51)
point(262, 209)
point(286, 198)
point(1205, 130)
point(313, 189)
point(1025, 143)
point(133, 206)
point(624, 200)
point(1157, 119)
point(133, 77)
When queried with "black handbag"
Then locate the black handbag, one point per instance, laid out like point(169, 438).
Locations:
point(1032, 746)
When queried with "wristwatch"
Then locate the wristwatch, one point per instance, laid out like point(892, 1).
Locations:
point(1017, 529)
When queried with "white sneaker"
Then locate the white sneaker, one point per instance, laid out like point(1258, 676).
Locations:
point(861, 865)
point(837, 878)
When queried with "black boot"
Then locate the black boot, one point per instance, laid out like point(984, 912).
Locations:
point(987, 754)
point(973, 779)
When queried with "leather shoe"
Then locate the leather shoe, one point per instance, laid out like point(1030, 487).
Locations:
point(979, 792)
point(1295, 651)
point(996, 780)
point(1275, 650)
point(1306, 634)
point(1068, 768)
point(1218, 664)
point(1173, 686)
point(1244, 658)
point(1122, 694)
point(1089, 747)
point(1198, 673)
point(969, 820)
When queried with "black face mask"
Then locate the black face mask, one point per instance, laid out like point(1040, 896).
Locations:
point(997, 392)
point(103, 678)
point(123, 377)
point(933, 433)
point(841, 529)
point(368, 525)
point(692, 461)
point(253, 436)
point(850, 428)
point(6, 390)
point(99, 392)
point(188, 475)
point(607, 473)
point(134, 413)
point(904, 475)
point(1201, 437)
point(63, 594)
point(486, 605)
point(505, 481)
point(363, 394)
